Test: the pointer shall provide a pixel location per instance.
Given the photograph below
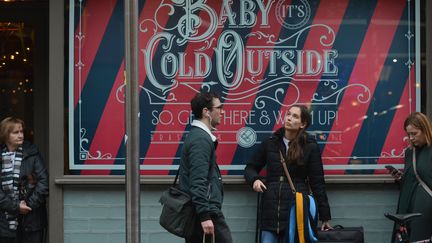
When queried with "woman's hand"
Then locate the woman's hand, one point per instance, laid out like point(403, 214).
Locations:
point(326, 226)
point(23, 208)
point(259, 186)
point(395, 173)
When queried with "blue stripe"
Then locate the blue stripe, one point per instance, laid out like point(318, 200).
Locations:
point(242, 155)
point(213, 77)
point(121, 151)
point(148, 111)
point(348, 42)
point(102, 76)
point(387, 95)
point(77, 13)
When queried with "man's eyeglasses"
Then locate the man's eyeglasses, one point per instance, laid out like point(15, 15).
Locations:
point(219, 107)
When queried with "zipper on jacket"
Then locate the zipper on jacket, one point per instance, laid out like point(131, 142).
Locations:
point(278, 208)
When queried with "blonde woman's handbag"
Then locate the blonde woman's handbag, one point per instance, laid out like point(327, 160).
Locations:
point(303, 216)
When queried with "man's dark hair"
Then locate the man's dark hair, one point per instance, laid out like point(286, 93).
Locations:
point(200, 101)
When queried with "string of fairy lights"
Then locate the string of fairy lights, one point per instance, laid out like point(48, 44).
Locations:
point(15, 60)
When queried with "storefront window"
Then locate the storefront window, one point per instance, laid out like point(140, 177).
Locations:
point(354, 63)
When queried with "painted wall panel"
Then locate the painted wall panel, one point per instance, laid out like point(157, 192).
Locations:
point(352, 62)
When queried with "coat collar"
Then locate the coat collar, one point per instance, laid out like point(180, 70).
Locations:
point(200, 124)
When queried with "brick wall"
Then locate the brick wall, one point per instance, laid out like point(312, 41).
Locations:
point(97, 214)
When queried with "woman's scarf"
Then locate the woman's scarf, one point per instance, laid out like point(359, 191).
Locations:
point(10, 171)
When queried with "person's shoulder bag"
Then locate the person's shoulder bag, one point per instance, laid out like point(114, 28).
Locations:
point(303, 216)
point(178, 214)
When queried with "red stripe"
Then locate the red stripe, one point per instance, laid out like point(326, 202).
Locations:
point(327, 13)
point(226, 149)
point(330, 12)
point(94, 21)
point(395, 144)
point(162, 154)
point(367, 69)
point(111, 127)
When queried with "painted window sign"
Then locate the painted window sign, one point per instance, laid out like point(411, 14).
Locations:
point(352, 62)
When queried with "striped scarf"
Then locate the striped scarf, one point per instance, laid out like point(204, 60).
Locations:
point(10, 171)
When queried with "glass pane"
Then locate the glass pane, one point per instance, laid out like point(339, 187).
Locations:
point(352, 62)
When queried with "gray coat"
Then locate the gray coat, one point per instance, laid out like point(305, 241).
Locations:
point(198, 159)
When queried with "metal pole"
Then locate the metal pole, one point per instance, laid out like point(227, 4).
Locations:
point(132, 123)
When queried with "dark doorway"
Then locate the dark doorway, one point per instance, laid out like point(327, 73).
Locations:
point(24, 66)
point(16, 72)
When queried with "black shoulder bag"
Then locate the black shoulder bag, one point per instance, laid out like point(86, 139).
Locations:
point(178, 214)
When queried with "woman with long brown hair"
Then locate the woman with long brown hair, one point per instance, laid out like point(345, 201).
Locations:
point(303, 158)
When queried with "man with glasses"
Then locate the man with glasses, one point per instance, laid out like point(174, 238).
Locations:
point(199, 173)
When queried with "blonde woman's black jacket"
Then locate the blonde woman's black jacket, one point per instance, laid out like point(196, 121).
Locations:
point(31, 165)
point(278, 194)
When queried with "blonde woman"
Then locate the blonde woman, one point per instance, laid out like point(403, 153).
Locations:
point(24, 186)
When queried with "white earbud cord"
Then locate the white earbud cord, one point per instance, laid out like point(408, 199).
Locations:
point(210, 122)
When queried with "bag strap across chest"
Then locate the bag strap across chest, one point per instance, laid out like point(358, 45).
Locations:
point(422, 183)
point(287, 172)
